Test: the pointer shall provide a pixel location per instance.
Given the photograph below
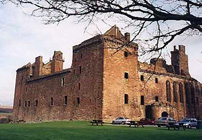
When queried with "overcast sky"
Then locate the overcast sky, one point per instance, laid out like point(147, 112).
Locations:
point(22, 38)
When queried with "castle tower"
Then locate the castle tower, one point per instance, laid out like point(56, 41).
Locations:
point(57, 62)
point(180, 61)
point(38, 66)
point(20, 89)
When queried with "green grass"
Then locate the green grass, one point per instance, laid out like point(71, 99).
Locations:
point(84, 131)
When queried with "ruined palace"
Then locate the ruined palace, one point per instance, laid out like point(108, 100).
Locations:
point(105, 81)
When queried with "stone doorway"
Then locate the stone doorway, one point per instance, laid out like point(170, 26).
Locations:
point(164, 114)
point(148, 112)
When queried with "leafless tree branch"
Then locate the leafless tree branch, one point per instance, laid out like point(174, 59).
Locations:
point(143, 15)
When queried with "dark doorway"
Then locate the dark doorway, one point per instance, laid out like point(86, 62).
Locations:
point(164, 114)
point(148, 112)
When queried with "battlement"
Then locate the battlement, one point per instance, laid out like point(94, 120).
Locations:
point(181, 49)
point(38, 68)
point(179, 60)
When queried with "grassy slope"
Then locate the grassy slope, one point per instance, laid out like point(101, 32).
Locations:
point(84, 131)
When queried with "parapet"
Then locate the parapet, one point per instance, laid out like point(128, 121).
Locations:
point(158, 62)
point(181, 49)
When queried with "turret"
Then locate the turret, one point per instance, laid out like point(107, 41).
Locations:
point(180, 61)
point(38, 66)
point(57, 62)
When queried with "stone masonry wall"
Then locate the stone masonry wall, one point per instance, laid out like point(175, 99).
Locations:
point(81, 85)
point(115, 85)
point(105, 81)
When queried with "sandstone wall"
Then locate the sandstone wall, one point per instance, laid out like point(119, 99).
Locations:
point(115, 85)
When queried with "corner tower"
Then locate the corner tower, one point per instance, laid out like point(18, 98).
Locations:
point(57, 62)
point(180, 61)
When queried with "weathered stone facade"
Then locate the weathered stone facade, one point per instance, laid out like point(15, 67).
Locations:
point(106, 80)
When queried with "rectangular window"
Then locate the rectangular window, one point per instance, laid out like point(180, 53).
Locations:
point(81, 56)
point(126, 75)
point(65, 100)
point(28, 103)
point(79, 69)
point(142, 100)
point(63, 81)
point(79, 86)
point(78, 101)
point(125, 53)
point(25, 103)
point(156, 98)
point(156, 80)
point(51, 101)
point(142, 78)
point(19, 103)
point(126, 99)
point(36, 103)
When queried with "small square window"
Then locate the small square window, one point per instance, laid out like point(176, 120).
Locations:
point(126, 75)
point(142, 78)
point(156, 98)
point(125, 53)
point(156, 80)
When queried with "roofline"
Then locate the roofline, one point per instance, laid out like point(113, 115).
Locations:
point(49, 75)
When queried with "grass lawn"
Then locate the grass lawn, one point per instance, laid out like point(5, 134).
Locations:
point(84, 131)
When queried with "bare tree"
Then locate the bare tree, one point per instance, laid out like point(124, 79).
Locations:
point(162, 20)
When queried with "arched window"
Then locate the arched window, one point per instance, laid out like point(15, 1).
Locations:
point(168, 91)
point(187, 92)
point(181, 93)
point(175, 92)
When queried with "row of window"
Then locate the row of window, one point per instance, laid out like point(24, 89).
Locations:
point(126, 76)
point(28, 103)
point(126, 54)
point(126, 99)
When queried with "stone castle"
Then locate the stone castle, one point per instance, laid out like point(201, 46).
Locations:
point(105, 81)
